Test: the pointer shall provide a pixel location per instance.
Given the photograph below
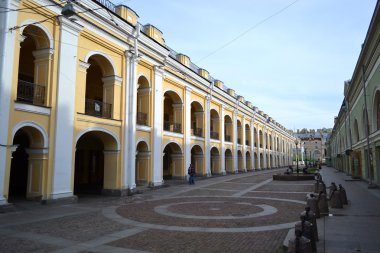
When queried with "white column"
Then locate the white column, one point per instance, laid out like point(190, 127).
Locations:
point(265, 135)
point(207, 135)
point(253, 144)
point(65, 109)
point(7, 46)
point(187, 128)
point(158, 115)
point(223, 149)
point(244, 147)
point(130, 123)
point(235, 135)
point(258, 148)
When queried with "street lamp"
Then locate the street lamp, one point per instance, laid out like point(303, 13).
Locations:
point(296, 142)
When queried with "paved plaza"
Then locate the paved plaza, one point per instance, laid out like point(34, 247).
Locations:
point(235, 213)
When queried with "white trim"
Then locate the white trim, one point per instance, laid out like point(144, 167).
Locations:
point(169, 142)
point(33, 22)
point(180, 97)
point(172, 134)
point(32, 108)
point(143, 75)
point(143, 128)
point(92, 53)
point(22, 124)
point(98, 129)
point(143, 139)
point(58, 195)
point(197, 138)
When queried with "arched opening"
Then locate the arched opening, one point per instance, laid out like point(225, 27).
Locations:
point(172, 162)
point(27, 165)
point(143, 102)
point(196, 119)
point(255, 137)
point(239, 133)
point(278, 144)
point(270, 165)
point(270, 140)
point(215, 161)
point(100, 80)
point(228, 132)
point(142, 169)
point(256, 161)
point(96, 162)
point(34, 66)
point(240, 161)
point(214, 124)
point(261, 137)
point(365, 121)
point(197, 160)
point(247, 135)
point(261, 161)
point(229, 161)
point(172, 112)
point(248, 160)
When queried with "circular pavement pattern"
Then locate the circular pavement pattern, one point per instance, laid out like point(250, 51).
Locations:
point(210, 214)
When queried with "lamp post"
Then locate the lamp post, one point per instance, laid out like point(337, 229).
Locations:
point(296, 142)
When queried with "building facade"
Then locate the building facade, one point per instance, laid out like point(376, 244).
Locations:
point(313, 146)
point(95, 102)
point(354, 146)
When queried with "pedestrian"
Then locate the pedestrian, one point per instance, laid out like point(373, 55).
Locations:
point(191, 173)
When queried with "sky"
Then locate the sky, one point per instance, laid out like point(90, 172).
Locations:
point(290, 58)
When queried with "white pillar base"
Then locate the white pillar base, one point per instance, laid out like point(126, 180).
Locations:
point(3, 201)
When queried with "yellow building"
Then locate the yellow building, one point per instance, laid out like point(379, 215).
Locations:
point(98, 103)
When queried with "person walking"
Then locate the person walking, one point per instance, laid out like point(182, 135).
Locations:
point(191, 173)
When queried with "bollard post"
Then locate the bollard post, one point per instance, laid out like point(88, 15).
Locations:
point(300, 244)
point(322, 204)
point(310, 217)
point(307, 231)
point(343, 195)
point(312, 202)
point(335, 201)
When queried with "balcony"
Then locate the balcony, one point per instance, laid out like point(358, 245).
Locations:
point(142, 118)
point(30, 93)
point(197, 132)
point(173, 127)
point(214, 135)
point(227, 138)
point(98, 109)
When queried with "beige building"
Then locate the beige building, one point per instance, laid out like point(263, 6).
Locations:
point(98, 103)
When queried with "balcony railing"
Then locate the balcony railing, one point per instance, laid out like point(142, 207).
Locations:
point(197, 132)
point(142, 118)
point(173, 127)
point(98, 109)
point(30, 93)
point(227, 138)
point(214, 135)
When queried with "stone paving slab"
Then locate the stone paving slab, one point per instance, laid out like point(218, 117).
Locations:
point(287, 188)
point(186, 242)
point(145, 212)
point(229, 186)
point(82, 227)
point(296, 196)
point(16, 245)
point(206, 192)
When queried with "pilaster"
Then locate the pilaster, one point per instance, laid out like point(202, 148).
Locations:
point(222, 141)
point(235, 135)
point(207, 136)
point(187, 127)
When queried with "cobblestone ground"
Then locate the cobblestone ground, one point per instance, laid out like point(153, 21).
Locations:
point(245, 212)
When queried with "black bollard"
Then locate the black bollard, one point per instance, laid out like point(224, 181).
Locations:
point(322, 204)
point(335, 201)
point(300, 244)
point(307, 231)
point(343, 195)
point(312, 202)
point(310, 217)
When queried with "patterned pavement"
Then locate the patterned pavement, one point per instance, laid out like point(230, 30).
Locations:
point(245, 212)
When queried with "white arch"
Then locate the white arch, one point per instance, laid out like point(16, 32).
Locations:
point(192, 146)
point(142, 139)
point(99, 129)
point(172, 141)
point(143, 75)
point(39, 25)
point(374, 109)
point(196, 101)
point(169, 89)
point(92, 53)
point(33, 124)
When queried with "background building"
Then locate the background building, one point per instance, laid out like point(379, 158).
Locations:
point(355, 141)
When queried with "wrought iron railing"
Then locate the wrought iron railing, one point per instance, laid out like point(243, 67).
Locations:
point(98, 108)
point(214, 135)
point(227, 138)
point(197, 132)
point(172, 127)
point(30, 93)
point(142, 118)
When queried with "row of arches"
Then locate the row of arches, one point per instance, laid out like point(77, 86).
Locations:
point(96, 162)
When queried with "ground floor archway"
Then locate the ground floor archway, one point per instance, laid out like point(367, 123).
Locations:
point(197, 160)
point(240, 161)
point(143, 164)
point(229, 161)
point(96, 163)
point(172, 161)
point(215, 161)
point(248, 160)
